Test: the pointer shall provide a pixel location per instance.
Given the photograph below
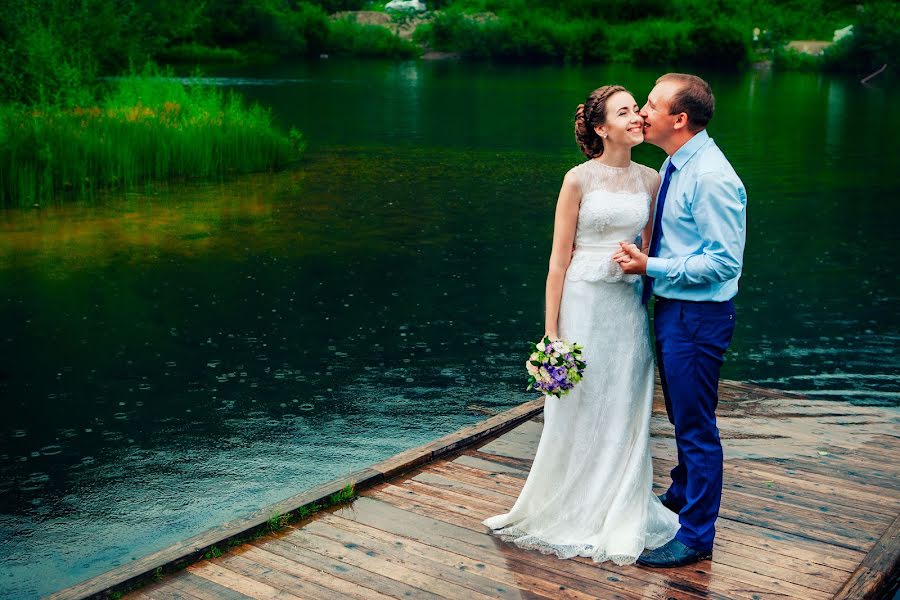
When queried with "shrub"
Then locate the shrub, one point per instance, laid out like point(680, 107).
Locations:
point(791, 59)
point(346, 36)
point(660, 42)
point(719, 44)
point(194, 53)
point(517, 38)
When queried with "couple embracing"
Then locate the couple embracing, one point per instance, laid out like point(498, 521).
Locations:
point(589, 491)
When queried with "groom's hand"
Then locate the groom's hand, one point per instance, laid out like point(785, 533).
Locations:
point(631, 259)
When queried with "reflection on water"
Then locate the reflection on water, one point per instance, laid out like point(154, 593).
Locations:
point(176, 358)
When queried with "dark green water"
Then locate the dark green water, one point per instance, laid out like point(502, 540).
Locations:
point(174, 359)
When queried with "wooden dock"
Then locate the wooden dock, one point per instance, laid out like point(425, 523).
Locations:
point(810, 510)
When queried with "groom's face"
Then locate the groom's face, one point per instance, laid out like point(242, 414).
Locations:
point(659, 124)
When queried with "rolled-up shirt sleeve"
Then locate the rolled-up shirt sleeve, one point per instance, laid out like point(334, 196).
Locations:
point(719, 210)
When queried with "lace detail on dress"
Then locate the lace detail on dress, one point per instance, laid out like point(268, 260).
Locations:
point(594, 175)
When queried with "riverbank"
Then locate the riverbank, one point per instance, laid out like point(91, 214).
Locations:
point(416, 527)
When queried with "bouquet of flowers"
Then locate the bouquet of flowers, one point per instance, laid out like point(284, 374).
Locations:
point(554, 367)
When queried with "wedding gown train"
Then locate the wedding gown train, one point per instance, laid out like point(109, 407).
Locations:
point(589, 491)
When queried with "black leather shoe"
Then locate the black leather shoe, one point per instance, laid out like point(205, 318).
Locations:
point(673, 554)
point(668, 503)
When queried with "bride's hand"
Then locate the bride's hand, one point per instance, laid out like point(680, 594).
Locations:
point(631, 260)
point(552, 335)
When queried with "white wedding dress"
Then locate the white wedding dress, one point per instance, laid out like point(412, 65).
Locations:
point(589, 491)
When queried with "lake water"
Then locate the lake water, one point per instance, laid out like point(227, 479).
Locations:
point(176, 358)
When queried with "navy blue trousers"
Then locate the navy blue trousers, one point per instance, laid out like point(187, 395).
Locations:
point(691, 340)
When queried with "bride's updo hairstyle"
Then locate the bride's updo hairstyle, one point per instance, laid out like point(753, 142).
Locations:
point(590, 115)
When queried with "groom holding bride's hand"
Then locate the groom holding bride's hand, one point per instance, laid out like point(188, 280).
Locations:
point(692, 266)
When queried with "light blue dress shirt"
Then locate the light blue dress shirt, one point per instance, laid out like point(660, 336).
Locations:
point(704, 226)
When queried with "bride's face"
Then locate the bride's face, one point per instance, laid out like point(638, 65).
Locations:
point(624, 124)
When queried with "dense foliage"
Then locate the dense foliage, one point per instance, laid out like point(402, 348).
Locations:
point(54, 50)
point(697, 32)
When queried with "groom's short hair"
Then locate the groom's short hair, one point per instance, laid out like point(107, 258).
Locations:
point(695, 99)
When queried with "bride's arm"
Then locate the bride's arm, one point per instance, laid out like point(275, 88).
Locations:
point(561, 255)
point(648, 228)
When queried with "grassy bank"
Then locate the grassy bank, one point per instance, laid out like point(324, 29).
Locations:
point(147, 128)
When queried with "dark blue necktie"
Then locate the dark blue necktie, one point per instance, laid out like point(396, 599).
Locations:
point(657, 228)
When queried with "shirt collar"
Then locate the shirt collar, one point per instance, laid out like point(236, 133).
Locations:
point(689, 149)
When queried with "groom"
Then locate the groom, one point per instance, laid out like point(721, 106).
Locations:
point(692, 267)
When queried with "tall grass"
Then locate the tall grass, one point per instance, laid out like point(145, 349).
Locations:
point(149, 128)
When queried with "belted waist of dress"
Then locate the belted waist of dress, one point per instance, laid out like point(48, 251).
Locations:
point(598, 248)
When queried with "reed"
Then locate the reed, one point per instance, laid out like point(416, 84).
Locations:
point(148, 128)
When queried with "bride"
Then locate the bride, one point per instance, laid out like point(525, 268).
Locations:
point(589, 491)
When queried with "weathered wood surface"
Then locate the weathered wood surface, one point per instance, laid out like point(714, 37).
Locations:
point(810, 510)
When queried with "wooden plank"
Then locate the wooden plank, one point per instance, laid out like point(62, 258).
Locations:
point(487, 559)
point(459, 499)
point(511, 448)
point(439, 480)
point(487, 555)
point(428, 500)
point(201, 588)
point(415, 505)
point(832, 489)
point(519, 463)
point(246, 566)
point(322, 540)
point(496, 483)
point(782, 509)
point(781, 544)
point(739, 573)
point(339, 569)
point(813, 554)
point(723, 555)
point(853, 471)
point(834, 534)
point(422, 559)
point(346, 589)
point(472, 460)
point(736, 554)
point(239, 583)
point(728, 581)
point(877, 568)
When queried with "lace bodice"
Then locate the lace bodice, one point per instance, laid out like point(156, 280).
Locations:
point(615, 206)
